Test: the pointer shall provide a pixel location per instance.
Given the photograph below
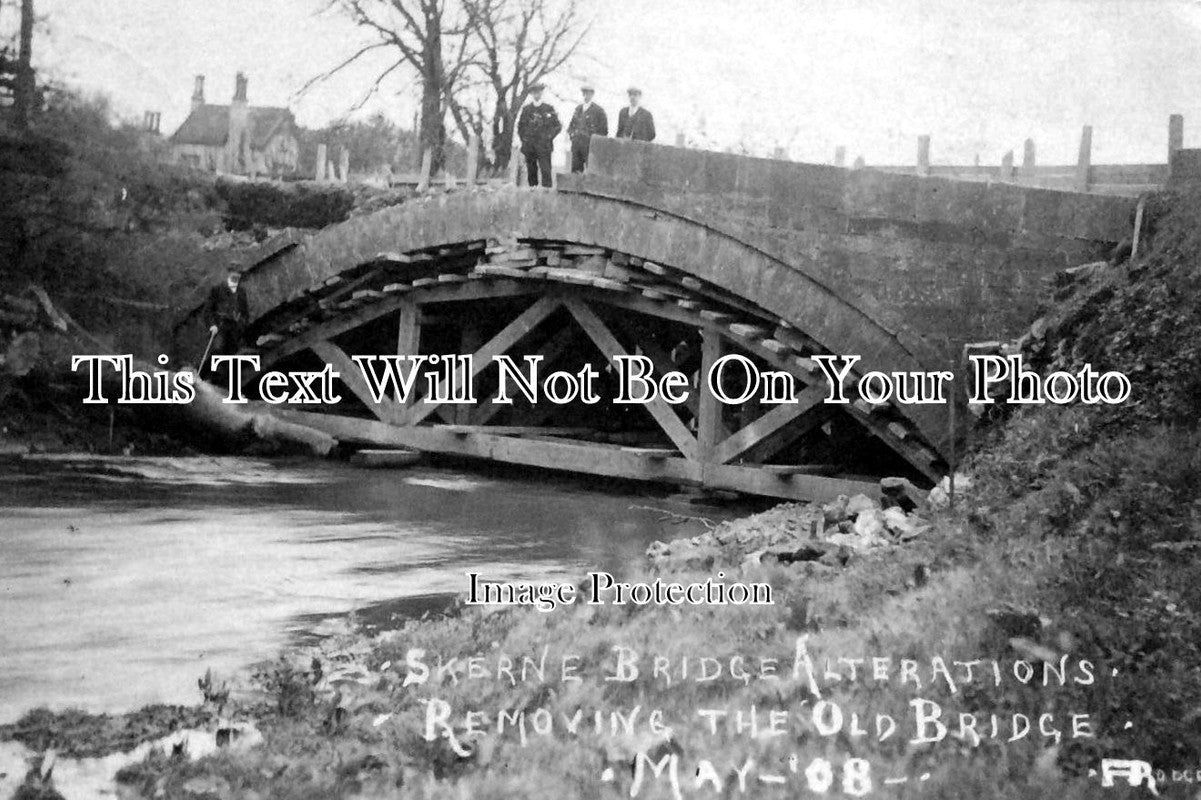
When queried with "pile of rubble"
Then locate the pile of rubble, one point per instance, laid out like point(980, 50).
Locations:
point(795, 533)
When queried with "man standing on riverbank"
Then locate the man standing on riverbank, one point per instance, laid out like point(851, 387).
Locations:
point(588, 119)
point(634, 121)
point(227, 313)
point(538, 126)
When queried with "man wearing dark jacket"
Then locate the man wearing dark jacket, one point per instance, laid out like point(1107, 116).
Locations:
point(588, 119)
point(227, 314)
point(634, 121)
point(538, 126)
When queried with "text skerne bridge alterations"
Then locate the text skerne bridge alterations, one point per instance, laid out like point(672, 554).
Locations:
point(448, 379)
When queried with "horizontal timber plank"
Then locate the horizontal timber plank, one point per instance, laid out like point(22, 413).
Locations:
point(380, 459)
point(653, 453)
point(784, 470)
point(573, 456)
point(514, 430)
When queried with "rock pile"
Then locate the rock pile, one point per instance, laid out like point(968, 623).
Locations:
point(795, 533)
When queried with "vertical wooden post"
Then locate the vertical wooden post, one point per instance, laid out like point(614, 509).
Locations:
point(923, 155)
point(1138, 227)
point(473, 158)
point(1028, 156)
point(408, 337)
point(470, 340)
point(449, 180)
point(952, 459)
point(322, 157)
point(515, 171)
point(840, 156)
point(344, 164)
point(1007, 166)
point(1085, 160)
point(680, 141)
point(708, 412)
point(427, 163)
point(1175, 134)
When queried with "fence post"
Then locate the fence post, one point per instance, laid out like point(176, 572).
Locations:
point(427, 163)
point(515, 167)
point(319, 172)
point(840, 156)
point(923, 155)
point(1175, 134)
point(1028, 156)
point(1007, 167)
point(1085, 160)
point(473, 158)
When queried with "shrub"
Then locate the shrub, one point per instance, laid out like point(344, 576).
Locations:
point(274, 205)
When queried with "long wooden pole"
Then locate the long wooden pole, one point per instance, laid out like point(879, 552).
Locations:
point(1138, 227)
point(951, 457)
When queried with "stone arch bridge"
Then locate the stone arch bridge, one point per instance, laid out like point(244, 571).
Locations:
point(681, 256)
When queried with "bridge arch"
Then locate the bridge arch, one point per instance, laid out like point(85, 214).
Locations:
point(593, 262)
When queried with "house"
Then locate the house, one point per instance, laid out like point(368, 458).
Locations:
point(239, 138)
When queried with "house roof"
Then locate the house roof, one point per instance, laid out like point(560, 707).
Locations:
point(208, 125)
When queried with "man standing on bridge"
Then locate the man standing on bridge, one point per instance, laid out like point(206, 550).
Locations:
point(635, 122)
point(538, 126)
point(227, 313)
point(588, 119)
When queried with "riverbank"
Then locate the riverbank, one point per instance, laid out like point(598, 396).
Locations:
point(39, 420)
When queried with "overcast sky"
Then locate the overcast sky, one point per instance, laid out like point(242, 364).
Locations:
point(978, 75)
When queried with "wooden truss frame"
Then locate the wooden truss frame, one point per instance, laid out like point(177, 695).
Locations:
point(709, 455)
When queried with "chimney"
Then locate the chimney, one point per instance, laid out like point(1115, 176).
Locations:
point(240, 88)
point(198, 93)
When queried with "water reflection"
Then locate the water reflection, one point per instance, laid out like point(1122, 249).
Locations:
point(122, 580)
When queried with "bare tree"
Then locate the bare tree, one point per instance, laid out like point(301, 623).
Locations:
point(476, 59)
point(427, 36)
point(517, 44)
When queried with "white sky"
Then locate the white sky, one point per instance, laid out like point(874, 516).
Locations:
point(978, 75)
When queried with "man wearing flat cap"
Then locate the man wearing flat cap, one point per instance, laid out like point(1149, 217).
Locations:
point(634, 121)
point(538, 126)
point(588, 119)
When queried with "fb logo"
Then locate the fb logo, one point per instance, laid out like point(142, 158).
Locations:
point(1135, 773)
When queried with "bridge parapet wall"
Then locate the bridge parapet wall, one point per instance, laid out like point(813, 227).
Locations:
point(957, 261)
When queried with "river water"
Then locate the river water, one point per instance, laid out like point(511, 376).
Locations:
point(123, 579)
